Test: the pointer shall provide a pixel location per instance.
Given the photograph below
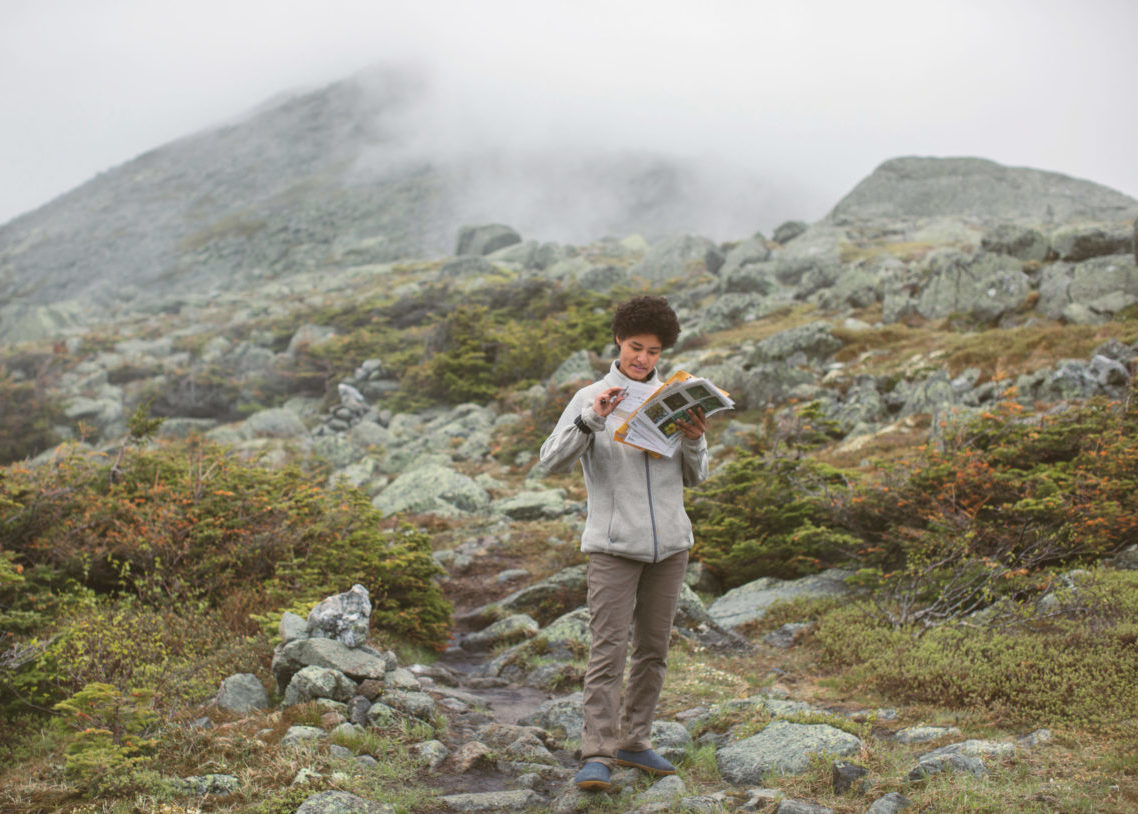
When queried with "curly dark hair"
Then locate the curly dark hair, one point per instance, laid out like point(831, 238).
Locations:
point(646, 315)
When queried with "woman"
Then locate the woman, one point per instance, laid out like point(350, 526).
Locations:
point(637, 536)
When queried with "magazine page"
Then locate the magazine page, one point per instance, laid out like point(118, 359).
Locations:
point(654, 424)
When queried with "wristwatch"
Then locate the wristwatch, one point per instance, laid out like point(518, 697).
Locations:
point(582, 426)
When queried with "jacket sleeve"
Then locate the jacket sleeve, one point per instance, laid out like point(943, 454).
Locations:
point(693, 460)
point(567, 443)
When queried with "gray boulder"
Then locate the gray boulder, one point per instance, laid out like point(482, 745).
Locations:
point(482, 240)
point(513, 800)
point(537, 505)
point(788, 806)
point(1100, 286)
point(782, 747)
point(750, 602)
point(813, 340)
point(756, 278)
point(892, 803)
point(544, 601)
point(953, 762)
point(414, 703)
point(932, 396)
point(974, 748)
point(670, 739)
point(746, 253)
point(341, 802)
point(310, 683)
point(1021, 242)
point(506, 631)
point(344, 617)
point(432, 489)
point(678, 257)
point(860, 286)
point(1105, 284)
point(920, 734)
point(983, 288)
point(274, 423)
point(577, 368)
point(729, 310)
point(863, 405)
point(563, 715)
point(1084, 241)
point(296, 735)
point(242, 693)
point(358, 663)
point(667, 790)
point(762, 385)
point(789, 230)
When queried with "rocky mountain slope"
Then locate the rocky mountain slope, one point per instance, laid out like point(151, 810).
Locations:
point(274, 304)
point(350, 174)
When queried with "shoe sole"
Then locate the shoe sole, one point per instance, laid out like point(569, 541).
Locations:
point(594, 785)
point(643, 768)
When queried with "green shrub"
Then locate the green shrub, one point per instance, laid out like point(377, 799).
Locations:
point(763, 516)
point(1079, 666)
point(111, 741)
point(185, 521)
point(27, 420)
point(1002, 499)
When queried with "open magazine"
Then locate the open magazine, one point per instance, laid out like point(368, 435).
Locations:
point(648, 415)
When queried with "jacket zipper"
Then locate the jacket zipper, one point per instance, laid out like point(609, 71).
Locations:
point(651, 512)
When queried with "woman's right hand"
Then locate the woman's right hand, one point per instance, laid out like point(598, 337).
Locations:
point(606, 400)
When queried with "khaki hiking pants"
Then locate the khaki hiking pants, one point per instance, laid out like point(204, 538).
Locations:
point(624, 593)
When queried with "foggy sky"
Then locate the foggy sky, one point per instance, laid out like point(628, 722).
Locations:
point(816, 94)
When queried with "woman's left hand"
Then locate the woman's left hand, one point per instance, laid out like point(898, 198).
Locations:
point(694, 428)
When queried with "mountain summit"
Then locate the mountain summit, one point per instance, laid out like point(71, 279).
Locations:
point(916, 187)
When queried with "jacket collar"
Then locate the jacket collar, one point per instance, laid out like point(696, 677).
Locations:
point(617, 378)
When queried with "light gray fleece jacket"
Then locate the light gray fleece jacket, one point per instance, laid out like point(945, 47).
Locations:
point(636, 500)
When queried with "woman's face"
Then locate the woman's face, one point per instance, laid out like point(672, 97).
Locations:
point(639, 354)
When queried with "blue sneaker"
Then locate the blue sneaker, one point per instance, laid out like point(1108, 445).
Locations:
point(647, 761)
point(593, 776)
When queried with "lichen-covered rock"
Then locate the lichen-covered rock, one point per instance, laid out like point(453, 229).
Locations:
point(749, 602)
point(544, 601)
point(544, 504)
point(514, 800)
point(506, 631)
point(486, 239)
point(782, 747)
point(358, 663)
point(559, 715)
point(344, 617)
point(952, 762)
point(341, 802)
point(301, 734)
point(1018, 241)
point(432, 488)
point(679, 257)
point(983, 287)
point(312, 682)
point(920, 734)
point(1083, 241)
point(241, 693)
point(417, 704)
point(892, 803)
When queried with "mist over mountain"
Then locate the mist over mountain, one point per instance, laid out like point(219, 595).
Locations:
point(364, 170)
